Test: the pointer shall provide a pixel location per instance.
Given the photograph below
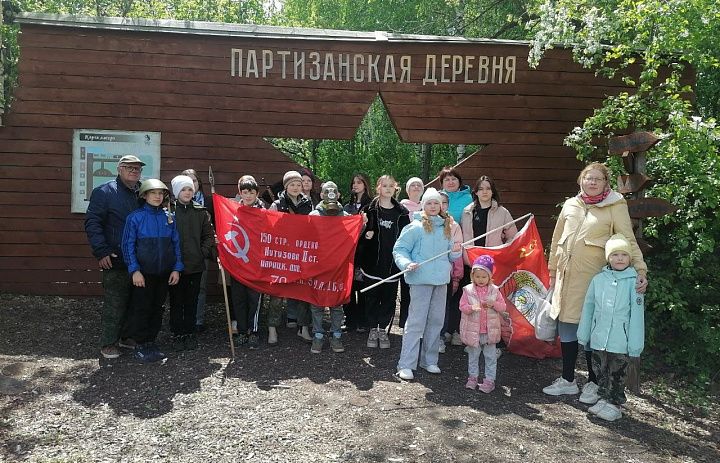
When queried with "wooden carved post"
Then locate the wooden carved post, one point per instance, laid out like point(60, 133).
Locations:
point(632, 148)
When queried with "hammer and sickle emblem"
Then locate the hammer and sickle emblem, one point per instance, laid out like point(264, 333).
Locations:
point(239, 252)
point(526, 251)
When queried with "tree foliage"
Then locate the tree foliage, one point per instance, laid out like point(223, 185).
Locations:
point(654, 46)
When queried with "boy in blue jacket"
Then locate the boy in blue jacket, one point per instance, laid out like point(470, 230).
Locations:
point(613, 321)
point(151, 248)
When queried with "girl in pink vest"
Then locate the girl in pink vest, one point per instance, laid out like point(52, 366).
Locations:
point(480, 322)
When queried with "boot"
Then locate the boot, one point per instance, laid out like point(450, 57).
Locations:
point(272, 335)
point(304, 333)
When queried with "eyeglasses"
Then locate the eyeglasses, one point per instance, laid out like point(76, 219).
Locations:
point(594, 179)
point(132, 168)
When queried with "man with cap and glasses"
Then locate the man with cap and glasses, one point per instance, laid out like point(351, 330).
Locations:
point(109, 206)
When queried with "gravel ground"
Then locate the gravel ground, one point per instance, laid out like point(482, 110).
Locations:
point(60, 403)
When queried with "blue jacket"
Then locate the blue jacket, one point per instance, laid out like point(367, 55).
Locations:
point(110, 205)
point(613, 315)
point(457, 201)
point(150, 244)
point(416, 245)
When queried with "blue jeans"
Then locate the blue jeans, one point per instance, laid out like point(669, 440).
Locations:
point(336, 318)
point(488, 351)
point(425, 319)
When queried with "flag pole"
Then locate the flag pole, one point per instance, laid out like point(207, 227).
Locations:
point(392, 277)
point(211, 177)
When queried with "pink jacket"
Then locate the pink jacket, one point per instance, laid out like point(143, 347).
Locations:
point(473, 323)
point(457, 266)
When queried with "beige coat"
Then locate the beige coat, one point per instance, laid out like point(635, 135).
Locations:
point(577, 252)
point(497, 216)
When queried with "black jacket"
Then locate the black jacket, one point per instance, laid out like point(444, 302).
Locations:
point(197, 237)
point(369, 249)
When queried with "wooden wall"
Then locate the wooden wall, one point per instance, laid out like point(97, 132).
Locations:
point(181, 85)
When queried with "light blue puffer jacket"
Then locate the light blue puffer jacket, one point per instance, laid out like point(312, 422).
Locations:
point(416, 245)
point(613, 315)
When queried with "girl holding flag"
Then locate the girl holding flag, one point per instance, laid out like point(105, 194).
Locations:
point(423, 239)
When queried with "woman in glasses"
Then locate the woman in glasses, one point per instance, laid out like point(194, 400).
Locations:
point(577, 254)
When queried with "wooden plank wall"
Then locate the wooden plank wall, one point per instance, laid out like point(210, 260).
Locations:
point(180, 85)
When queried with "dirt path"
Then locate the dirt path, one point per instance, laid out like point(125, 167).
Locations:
point(285, 404)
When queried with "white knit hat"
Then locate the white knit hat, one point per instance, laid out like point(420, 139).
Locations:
point(414, 180)
point(180, 182)
point(617, 242)
point(430, 194)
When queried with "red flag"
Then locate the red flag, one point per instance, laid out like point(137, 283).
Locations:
point(304, 257)
point(522, 275)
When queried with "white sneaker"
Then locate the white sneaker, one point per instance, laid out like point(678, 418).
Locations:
point(233, 327)
point(561, 386)
point(406, 374)
point(589, 393)
point(498, 353)
point(434, 369)
point(610, 413)
point(595, 409)
point(441, 348)
point(456, 341)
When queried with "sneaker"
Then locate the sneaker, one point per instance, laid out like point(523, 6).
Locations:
point(304, 334)
point(610, 412)
point(178, 343)
point(487, 386)
point(156, 350)
point(434, 369)
point(456, 341)
point(448, 337)
point(589, 393)
point(561, 386)
point(233, 327)
point(253, 341)
point(291, 323)
point(128, 343)
point(110, 352)
point(241, 340)
point(498, 353)
point(599, 405)
point(441, 348)
point(336, 344)
point(383, 339)
point(362, 329)
point(406, 374)
point(317, 344)
point(191, 342)
point(472, 382)
point(145, 354)
point(373, 338)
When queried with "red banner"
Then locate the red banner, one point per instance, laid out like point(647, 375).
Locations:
point(522, 275)
point(306, 257)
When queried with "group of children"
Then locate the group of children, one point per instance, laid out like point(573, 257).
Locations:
point(166, 248)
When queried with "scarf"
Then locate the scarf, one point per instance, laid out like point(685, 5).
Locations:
point(595, 199)
point(199, 198)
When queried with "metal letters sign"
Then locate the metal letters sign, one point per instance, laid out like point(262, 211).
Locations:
point(96, 154)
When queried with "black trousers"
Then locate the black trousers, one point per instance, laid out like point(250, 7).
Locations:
point(355, 308)
point(148, 306)
point(183, 304)
point(246, 305)
point(380, 304)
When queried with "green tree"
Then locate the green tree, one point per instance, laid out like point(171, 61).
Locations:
point(654, 46)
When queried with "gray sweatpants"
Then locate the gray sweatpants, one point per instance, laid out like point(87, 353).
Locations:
point(425, 319)
point(489, 351)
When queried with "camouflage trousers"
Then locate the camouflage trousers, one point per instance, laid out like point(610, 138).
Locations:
point(116, 317)
point(275, 311)
point(611, 371)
